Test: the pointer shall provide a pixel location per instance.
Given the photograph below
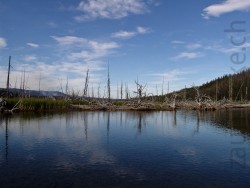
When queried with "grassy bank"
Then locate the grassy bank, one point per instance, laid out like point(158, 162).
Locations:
point(44, 105)
point(37, 104)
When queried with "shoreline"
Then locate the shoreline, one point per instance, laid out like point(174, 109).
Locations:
point(191, 105)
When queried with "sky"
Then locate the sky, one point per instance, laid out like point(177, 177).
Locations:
point(165, 45)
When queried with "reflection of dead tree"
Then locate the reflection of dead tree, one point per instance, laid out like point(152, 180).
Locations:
point(141, 121)
point(196, 131)
point(140, 91)
point(6, 139)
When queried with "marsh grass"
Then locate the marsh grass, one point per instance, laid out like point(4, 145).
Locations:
point(38, 104)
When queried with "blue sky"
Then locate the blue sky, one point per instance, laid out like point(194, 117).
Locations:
point(180, 42)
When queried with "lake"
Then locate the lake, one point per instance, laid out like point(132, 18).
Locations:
point(126, 149)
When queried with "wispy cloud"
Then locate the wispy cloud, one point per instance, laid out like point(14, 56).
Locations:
point(69, 40)
point(84, 49)
point(227, 50)
point(226, 7)
point(130, 34)
point(3, 43)
point(188, 55)
point(52, 24)
point(173, 75)
point(52, 75)
point(178, 42)
point(168, 81)
point(95, 51)
point(110, 9)
point(33, 45)
point(30, 58)
point(193, 46)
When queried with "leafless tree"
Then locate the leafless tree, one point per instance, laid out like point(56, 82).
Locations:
point(108, 85)
point(202, 100)
point(85, 91)
point(121, 90)
point(140, 91)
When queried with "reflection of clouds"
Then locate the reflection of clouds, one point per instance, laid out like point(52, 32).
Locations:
point(187, 151)
point(105, 141)
point(60, 140)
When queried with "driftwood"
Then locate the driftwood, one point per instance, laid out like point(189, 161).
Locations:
point(10, 111)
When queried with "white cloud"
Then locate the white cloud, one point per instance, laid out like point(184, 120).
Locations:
point(110, 9)
point(168, 81)
point(94, 51)
point(228, 50)
point(177, 42)
point(33, 45)
point(52, 75)
point(70, 40)
point(123, 34)
point(142, 30)
point(173, 75)
point(3, 43)
point(226, 7)
point(187, 55)
point(30, 58)
point(84, 49)
point(98, 46)
point(194, 46)
point(130, 34)
point(52, 24)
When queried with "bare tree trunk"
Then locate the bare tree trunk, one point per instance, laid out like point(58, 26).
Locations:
point(108, 85)
point(67, 86)
point(23, 85)
point(121, 90)
point(85, 91)
point(98, 92)
point(246, 93)
point(39, 85)
point(216, 91)
point(126, 91)
point(139, 91)
point(8, 78)
point(230, 88)
point(162, 88)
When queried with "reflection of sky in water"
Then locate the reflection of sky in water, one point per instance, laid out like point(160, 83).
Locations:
point(133, 148)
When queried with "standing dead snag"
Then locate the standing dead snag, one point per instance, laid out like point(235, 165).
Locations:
point(85, 91)
point(8, 79)
point(139, 91)
point(108, 85)
point(203, 101)
point(173, 104)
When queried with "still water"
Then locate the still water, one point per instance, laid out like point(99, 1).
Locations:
point(126, 149)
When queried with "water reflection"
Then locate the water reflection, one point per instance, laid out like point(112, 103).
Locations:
point(123, 148)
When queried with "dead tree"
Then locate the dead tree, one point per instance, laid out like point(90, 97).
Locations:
point(126, 91)
point(121, 90)
point(202, 100)
point(139, 92)
point(230, 89)
point(85, 91)
point(8, 78)
point(173, 103)
point(108, 85)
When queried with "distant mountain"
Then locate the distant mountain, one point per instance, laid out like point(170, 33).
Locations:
point(32, 93)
